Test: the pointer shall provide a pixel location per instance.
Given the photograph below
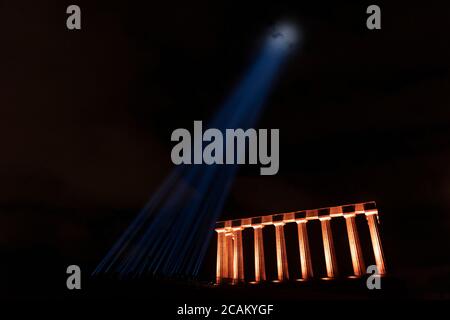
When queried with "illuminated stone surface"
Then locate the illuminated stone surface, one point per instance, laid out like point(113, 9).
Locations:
point(230, 255)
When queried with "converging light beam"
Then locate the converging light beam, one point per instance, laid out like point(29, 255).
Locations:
point(170, 235)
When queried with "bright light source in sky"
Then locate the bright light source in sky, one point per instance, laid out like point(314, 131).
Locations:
point(284, 35)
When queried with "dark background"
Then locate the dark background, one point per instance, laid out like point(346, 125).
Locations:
point(86, 118)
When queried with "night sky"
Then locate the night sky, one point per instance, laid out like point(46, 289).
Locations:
point(86, 118)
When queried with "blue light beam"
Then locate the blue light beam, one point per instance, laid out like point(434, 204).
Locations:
point(170, 235)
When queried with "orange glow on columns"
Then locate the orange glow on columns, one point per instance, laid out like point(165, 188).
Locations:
point(228, 271)
point(238, 258)
point(282, 264)
point(328, 246)
point(355, 246)
point(305, 254)
point(220, 256)
point(376, 242)
point(260, 269)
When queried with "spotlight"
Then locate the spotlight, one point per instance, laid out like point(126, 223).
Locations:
point(284, 35)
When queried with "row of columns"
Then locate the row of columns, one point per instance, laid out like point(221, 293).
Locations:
point(230, 263)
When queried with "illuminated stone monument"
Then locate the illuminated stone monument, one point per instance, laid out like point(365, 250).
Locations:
point(230, 254)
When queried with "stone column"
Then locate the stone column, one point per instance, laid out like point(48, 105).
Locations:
point(221, 256)
point(228, 261)
point(328, 246)
point(282, 264)
point(372, 220)
point(260, 268)
point(305, 254)
point(355, 246)
point(238, 257)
